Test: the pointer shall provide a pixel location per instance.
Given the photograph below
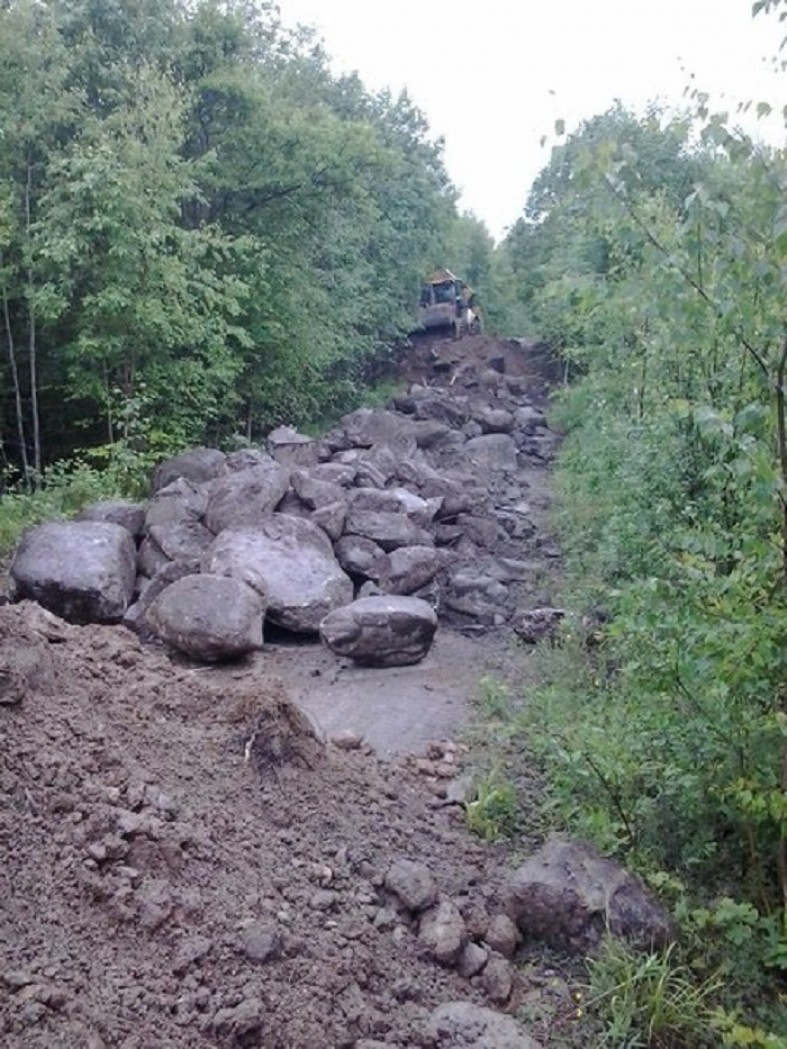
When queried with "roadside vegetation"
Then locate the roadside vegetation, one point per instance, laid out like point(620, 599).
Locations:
point(653, 255)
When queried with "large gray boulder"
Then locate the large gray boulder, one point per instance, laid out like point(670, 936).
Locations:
point(117, 511)
point(494, 420)
point(384, 631)
point(476, 594)
point(290, 560)
point(209, 618)
point(198, 465)
point(407, 569)
point(151, 558)
point(493, 451)
point(440, 407)
point(247, 458)
point(462, 1025)
point(291, 448)
point(429, 433)
point(388, 530)
point(374, 500)
point(457, 498)
point(331, 519)
point(396, 500)
point(181, 500)
point(245, 498)
point(135, 617)
point(358, 555)
point(314, 492)
point(571, 896)
point(373, 426)
point(342, 474)
point(421, 511)
point(165, 543)
point(185, 539)
point(83, 571)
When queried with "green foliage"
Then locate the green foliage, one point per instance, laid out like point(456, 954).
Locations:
point(195, 212)
point(649, 1000)
point(652, 252)
point(494, 699)
point(493, 814)
point(64, 490)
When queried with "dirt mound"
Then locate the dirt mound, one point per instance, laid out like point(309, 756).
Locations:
point(435, 358)
point(187, 863)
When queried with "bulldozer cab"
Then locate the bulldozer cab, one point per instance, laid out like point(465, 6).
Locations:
point(447, 301)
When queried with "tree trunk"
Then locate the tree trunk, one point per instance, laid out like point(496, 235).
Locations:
point(32, 334)
point(20, 418)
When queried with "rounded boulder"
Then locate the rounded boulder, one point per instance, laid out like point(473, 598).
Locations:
point(385, 631)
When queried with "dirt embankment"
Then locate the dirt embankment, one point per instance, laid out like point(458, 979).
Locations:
point(185, 861)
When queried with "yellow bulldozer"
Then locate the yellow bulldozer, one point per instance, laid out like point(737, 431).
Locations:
point(447, 301)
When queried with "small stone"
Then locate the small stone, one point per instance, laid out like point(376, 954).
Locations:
point(15, 979)
point(385, 919)
point(497, 979)
point(346, 739)
point(460, 790)
point(324, 900)
point(503, 936)
point(241, 1021)
point(443, 932)
point(472, 960)
point(261, 943)
point(425, 767)
point(465, 1024)
point(413, 883)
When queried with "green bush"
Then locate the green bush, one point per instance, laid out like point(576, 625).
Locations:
point(63, 491)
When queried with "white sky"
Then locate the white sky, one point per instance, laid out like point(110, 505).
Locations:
point(493, 76)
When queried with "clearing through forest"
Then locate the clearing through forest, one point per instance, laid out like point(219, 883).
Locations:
point(222, 855)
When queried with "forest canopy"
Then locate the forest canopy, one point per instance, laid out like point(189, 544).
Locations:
point(203, 230)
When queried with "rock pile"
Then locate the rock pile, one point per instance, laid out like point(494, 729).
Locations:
point(364, 536)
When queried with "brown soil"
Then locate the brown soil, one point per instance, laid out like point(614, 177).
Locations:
point(185, 862)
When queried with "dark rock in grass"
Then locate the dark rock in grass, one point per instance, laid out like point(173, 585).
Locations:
point(537, 624)
point(571, 896)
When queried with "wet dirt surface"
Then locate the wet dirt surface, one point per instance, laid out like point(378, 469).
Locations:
point(397, 710)
point(187, 860)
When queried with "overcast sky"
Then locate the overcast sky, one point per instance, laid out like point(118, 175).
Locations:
point(493, 76)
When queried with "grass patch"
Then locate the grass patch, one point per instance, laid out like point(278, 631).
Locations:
point(649, 1000)
point(65, 489)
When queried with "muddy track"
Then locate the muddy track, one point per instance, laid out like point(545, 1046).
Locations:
point(186, 859)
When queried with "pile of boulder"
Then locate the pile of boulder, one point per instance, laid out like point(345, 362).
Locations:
point(364, 536)
point(566, 895)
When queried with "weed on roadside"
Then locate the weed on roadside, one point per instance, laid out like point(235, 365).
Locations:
point(649, 1000)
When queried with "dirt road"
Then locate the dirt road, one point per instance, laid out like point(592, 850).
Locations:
point(184, 862)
